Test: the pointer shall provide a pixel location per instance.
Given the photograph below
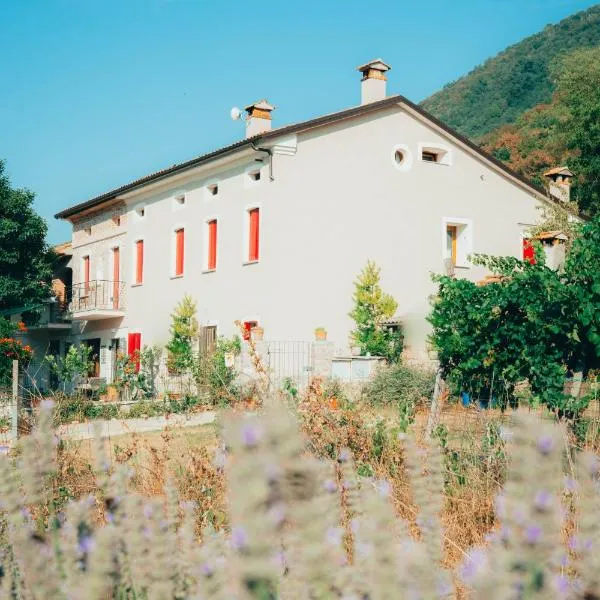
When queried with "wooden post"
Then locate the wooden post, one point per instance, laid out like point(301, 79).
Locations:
point(14, 408)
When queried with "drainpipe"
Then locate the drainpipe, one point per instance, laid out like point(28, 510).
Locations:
point(270, 153)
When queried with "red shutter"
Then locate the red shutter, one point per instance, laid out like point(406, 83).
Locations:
point(134, 344)
point(86, 272)
point(254, 233)
point(248, 327)
point(179, 245)
point(212, 245)
point(528, 251)
point(139, 261)
point(116, 276)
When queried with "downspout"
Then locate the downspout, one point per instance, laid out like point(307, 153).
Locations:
point(270, 153)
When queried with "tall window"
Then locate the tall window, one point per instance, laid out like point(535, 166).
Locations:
point(179, 249)
point(139, 262)
point(116, 259)
point(451, 237)
point(253, 234)
point(86, 273)
point(211, 263)
point(134, 346)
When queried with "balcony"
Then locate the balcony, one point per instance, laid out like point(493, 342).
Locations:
point(54, 315)
point(97, 299)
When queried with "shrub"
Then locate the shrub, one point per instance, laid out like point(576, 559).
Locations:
point(399, 385)
point(215, 377)
point(71, 368)
point(77, 407)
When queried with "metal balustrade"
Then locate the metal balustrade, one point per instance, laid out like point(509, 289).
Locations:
point(98, 295)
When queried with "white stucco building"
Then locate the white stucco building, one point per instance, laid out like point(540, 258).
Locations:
point(275, 228)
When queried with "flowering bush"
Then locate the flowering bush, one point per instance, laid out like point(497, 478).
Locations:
point(11, 349)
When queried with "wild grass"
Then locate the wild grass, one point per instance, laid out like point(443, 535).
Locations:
point(309, 501)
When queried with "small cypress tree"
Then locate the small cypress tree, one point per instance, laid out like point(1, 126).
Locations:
point(372, 307)
point(184, 330)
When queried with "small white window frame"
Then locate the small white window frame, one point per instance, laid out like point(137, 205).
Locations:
point(407, 163)
point(464, 242)
point(439, 149)
point(140, 212)
point(179, 201)
point(210, 185)
point(249, 181)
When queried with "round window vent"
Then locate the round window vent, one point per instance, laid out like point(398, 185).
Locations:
point(401, 157)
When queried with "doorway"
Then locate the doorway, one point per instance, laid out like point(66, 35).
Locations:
point(94, 344)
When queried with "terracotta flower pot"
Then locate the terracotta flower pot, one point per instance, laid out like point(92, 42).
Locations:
point(320, 335)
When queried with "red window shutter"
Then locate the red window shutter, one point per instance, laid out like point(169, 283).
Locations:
point(134, 344)
point(254, 234)
point(179, 246)
point(116, 276)
point(212, 245)
point(139, 261)
point(248, 327)
point(528, 251)
point(86, 272)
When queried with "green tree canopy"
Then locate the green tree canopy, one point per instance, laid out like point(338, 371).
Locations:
point(533, 324)
point(25, 260)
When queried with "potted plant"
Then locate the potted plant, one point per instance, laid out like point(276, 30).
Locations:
point(320, 334)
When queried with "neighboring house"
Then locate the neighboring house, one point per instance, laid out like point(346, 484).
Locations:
point(273, 230)
point(54, 330)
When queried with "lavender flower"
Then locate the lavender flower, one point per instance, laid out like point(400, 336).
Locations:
point(533, 534)
point(86, 544)
point(344, 455)
point(239, 538)
point(330, 486)
point(543, 500)
point(334, 536)
point(251, 434)
point(475, 563)
point(545, 444)
point(384, 488)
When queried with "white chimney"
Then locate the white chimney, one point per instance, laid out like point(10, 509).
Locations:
point(258, 119)
point(559, 183)
point(372, 87)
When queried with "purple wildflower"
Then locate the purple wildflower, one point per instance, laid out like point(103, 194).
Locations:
point(330, 486)
point(543, 500)
point(239, 538)
point(473, 565)
point(573, 543)
point(276, 513)
point(334, 535)
point(251, 434)
point(354, 526)
point(86, 544)
point(533, 534)
point(148, 511)
point(383, 488)
point(561, 585)
point(570, 484)
point(545, 444)
point(4, 449)
point(344, 455)
point(207, 570)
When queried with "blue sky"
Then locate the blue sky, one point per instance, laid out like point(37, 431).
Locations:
point(95, 93)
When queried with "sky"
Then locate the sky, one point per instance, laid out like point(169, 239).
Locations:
point(96, 93)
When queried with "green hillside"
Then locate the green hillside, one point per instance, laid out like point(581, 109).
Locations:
point(500, 90)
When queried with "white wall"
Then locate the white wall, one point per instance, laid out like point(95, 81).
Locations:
point(339, 201)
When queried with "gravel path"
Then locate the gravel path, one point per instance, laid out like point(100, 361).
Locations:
point(86, 431)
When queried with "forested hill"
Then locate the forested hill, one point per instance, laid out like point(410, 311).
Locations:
point(500, 90)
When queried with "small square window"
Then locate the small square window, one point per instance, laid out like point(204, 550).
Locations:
point(140, 211)
point(429, 156)
point(254, 176)
point(213, 189)
point(180, 199)
point(88, 231)
point(116, 220)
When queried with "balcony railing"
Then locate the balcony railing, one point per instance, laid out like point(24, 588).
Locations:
point(100, 298)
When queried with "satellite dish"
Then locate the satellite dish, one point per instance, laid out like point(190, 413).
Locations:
point(235, 113)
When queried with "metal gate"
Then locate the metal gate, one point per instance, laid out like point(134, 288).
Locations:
point(289, 360)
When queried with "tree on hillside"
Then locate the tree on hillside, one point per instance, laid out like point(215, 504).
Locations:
point(25, 260)
point(578, 88)
point(372, 307)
